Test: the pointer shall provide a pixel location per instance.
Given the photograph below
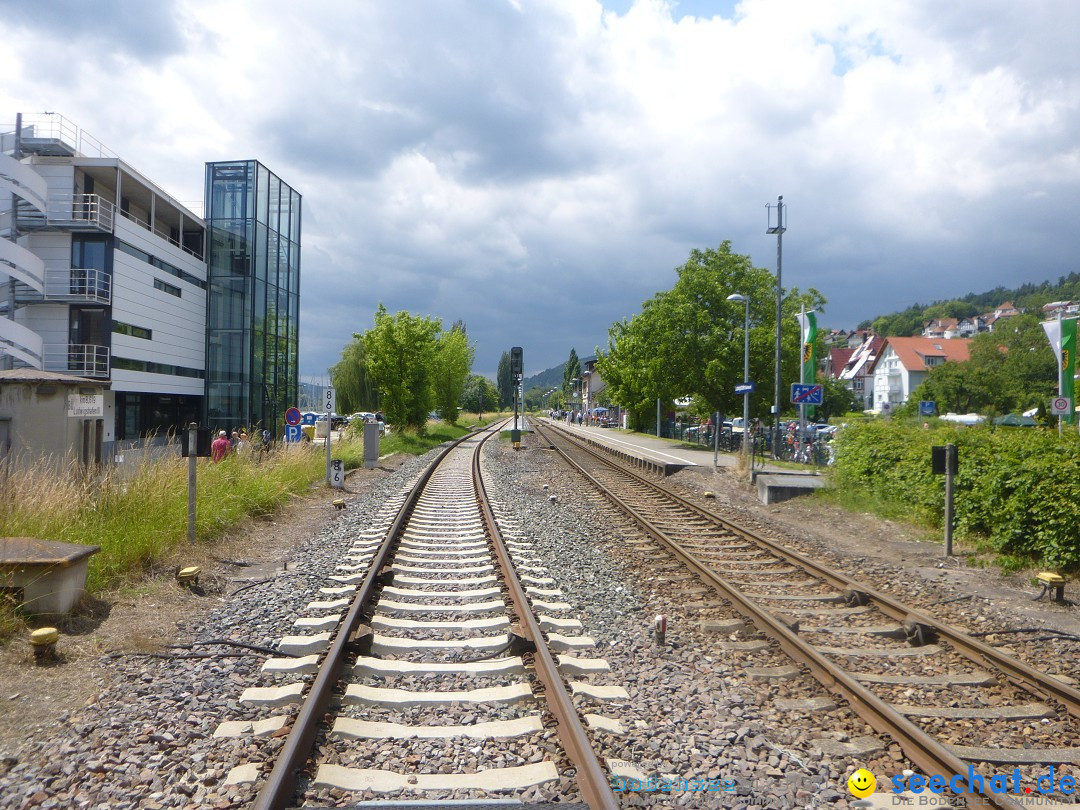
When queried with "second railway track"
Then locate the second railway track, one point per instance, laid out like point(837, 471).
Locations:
point(951, 701)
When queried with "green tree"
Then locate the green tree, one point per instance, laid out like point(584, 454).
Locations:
point(688, 341)
point(479, 395)
point(571, 375)
point(355, 389)
point(837, 399)
point(505, 381)
point(1010, 369)
point(401, 352)
point(453, 362)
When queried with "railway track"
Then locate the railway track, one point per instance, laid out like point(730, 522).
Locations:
point(950, 701)
point(427, 636)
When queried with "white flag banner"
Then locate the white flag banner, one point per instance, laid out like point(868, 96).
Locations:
point(1053, 333)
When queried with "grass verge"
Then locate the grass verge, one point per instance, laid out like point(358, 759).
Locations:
point(136, 519)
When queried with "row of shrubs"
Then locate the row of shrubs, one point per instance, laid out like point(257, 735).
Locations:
point(1017, 487)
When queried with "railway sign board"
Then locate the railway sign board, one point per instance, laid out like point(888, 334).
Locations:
point(293, 433)
point(744, 388)
point(329, 400)
point(803, 394)
point(1060, 405)
point(337, 473)
point(292, 416)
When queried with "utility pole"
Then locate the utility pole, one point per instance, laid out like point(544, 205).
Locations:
point(778, 228)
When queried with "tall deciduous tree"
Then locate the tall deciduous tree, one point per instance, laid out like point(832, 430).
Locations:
point(401, 353)
point(355, 389)
point(454, 358)
point(480, 395)
point(571, 374)
point(688, 341)
point(505, 381)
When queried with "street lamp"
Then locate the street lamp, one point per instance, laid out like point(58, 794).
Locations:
point(746, 367)
point(777, 229)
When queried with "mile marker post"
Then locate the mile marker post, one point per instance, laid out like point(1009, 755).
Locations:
point(329, 405)
point(192, 443)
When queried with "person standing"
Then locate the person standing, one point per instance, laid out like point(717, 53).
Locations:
point(220, 447)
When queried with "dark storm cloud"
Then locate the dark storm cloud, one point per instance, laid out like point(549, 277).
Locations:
point(481, 89)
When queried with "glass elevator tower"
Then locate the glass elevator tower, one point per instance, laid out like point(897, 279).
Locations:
point(252, 328)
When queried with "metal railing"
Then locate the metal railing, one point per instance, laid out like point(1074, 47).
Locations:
point(80, 359)
point(42, 129)
point(76, 284)
point(160, 233)
point(75, 211)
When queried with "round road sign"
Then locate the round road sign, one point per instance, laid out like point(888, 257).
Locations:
point(292, 416)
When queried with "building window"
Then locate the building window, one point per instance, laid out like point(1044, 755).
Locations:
point(154, 261)
point(132, 331)
point(165, 287)
point(126, 364)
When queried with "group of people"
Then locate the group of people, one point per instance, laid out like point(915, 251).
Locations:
point(238, 443)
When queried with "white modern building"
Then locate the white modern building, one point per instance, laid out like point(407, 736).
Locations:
point(108, 279)
point(905, 362)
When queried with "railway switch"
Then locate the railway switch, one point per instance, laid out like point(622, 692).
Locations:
point(188, 577)
point(1051, 581)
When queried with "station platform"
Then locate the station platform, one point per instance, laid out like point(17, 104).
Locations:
point(662, 456)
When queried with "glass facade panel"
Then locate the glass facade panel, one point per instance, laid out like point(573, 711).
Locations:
point(261, 194)
point(252, 377)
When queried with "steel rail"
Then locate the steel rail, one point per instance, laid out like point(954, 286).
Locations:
point(1019, 673)
point(280, 785)
point(921, 748)
point(595, 786)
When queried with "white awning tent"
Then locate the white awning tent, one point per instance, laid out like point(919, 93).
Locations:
point(964, 418)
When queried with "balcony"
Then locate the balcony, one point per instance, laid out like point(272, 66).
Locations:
point(74, 286)
point(69, 212)
point(80, 359)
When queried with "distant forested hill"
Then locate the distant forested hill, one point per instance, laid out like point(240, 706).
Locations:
point(1029, 297)
point(545, 379)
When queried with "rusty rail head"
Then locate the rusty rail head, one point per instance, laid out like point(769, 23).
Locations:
point(277, 791)
point(921, 748)
point(594, 784)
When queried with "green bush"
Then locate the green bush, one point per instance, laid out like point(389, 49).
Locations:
point(1019, 488)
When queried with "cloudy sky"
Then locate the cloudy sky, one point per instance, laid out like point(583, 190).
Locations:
point(538, 168)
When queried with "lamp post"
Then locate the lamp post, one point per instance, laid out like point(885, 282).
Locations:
point(746, 367)
point(778, 228)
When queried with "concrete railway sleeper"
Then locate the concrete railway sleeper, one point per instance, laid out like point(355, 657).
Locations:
point(948, 699)
point(425, 635)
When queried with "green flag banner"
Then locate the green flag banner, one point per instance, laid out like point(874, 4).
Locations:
point(1068, 364)
point(808, 369)
point(808, 322)
point(1062, 336)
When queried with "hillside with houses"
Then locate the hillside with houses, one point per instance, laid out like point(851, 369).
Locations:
point(885, 361)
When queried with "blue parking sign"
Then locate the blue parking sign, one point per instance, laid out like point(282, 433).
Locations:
point(927, 407)
point(293, 433)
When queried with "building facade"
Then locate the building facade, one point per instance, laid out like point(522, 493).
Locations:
point(252, 339)
point(109, 279)
point(904, 363)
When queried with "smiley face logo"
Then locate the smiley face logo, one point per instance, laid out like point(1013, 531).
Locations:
point(861, 783)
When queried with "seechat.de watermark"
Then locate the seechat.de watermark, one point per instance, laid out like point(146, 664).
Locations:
point(676, 784)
